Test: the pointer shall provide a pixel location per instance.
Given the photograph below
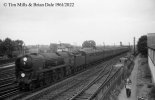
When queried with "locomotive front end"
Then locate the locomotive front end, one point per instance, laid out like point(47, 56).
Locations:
point(23, 70)
point(26, 69)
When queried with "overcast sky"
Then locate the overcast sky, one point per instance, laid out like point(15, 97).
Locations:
point(108, 21)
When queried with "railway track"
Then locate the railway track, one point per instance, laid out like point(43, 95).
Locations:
point(8, 87)
point(8, 90)
point(59, 87)
point(6, 77)
point(74, 88)
point(5, 66)
point(71, 92)
point(7, 80)
point(7, 72)
point(88, 92)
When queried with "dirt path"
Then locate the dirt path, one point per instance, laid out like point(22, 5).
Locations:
point(133, 77)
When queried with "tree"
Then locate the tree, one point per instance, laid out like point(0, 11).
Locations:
point(89, 44)
point(18, 44)
point(142, 45)
point(8, 46)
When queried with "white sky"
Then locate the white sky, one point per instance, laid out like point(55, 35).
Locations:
point(108, 21)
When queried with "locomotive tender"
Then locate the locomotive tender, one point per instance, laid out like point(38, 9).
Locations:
point(34, 70)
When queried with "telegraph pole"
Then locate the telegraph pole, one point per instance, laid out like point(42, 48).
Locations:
point(103, 44)
point(134, 45)
point(129, 46)
point(121, 44)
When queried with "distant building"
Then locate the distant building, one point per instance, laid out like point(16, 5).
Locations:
point(64, 47)
point(37, 49)
point(151, 53)
point(61, 47)
point(53, 47)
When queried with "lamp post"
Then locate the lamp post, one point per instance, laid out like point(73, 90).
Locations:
point(134, 39)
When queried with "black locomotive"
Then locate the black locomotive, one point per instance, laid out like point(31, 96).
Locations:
point(34, 70)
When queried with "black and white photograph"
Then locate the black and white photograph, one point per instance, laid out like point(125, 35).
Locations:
point(77, 49)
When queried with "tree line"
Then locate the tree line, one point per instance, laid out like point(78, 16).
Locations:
point(8, 47)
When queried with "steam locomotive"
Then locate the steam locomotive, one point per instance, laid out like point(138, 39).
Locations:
point(33, 70)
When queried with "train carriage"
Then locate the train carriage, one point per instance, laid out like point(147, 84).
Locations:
point(90, 56)
point(79, 62)
point(107, 53)
point(98, 55)
point(69, 61)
